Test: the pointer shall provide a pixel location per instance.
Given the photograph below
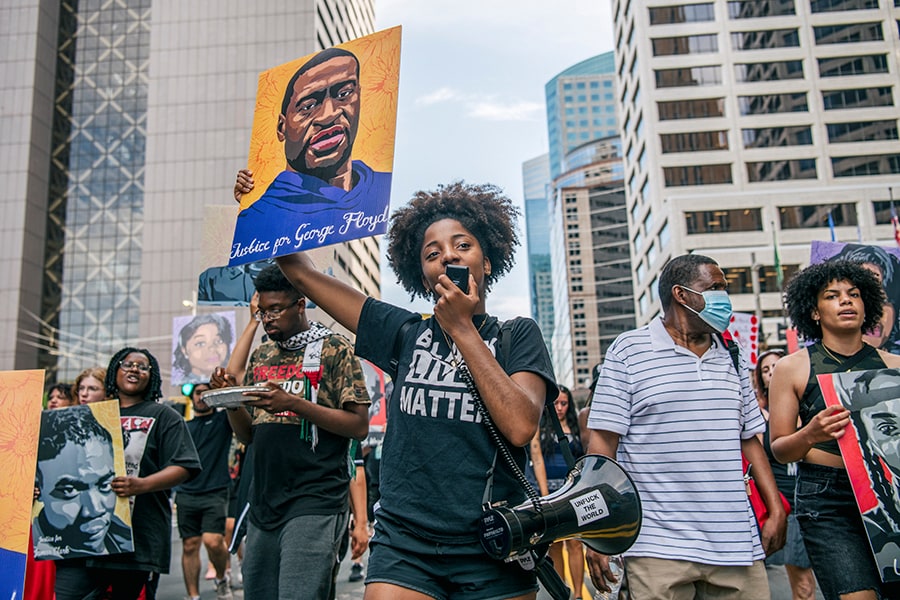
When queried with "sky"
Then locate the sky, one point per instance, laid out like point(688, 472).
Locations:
point(471, 107)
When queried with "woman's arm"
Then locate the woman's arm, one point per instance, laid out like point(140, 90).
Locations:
point(537, 464)
point(790, 444)
point(237, 364)
point(342, 302)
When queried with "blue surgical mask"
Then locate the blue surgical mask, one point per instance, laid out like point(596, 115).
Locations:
point(717, 312)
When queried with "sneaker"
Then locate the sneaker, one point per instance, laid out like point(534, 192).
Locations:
point(223, 590)
point(236, 577)
point(356, 573)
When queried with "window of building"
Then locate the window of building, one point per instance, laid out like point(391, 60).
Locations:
point(768, 137)
point(686, 13)
point(689, 76)
point(752, 9)
point(859, 166)
point(691, 109)
point(862, 131)
point(696, 141)
point(845, 66)
point(740, 279)
point(773, 103)
point(664, 235)
point(781, 170)
point(848, 33)
point(685, 44)
point(652, 253)
point(820, 6)
point(639, 243)
point(769, 71)
point(883, 210)
point(697, 175)
point(765, 39)
point(816, 215)
point(857, 98)
point(724, 221)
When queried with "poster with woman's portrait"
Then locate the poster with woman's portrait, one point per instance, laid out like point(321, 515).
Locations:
point(884, 263)
point(870, 448)
point(77, 513)
point(200, 343)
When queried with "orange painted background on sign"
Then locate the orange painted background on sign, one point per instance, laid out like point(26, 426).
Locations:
point(379, 73)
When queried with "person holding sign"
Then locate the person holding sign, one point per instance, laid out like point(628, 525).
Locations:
point(426, 542)
point(831, 304)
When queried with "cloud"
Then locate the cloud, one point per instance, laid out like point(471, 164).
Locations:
point(438, 96)
point(485, 109)
point(505, 111)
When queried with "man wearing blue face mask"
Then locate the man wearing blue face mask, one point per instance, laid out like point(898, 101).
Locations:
point(674, 411)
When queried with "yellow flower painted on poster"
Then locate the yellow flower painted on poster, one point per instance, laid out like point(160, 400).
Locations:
point(21, 396)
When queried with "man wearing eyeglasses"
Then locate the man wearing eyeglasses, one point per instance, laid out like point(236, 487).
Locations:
point(312, 399)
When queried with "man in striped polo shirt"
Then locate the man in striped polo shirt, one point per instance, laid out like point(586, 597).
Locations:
point(673, 410)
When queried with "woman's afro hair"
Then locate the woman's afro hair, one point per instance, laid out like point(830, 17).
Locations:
point(482, 209)
point(801, 295)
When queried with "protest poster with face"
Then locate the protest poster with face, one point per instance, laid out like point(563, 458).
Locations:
point(77, 513)
point(870, 448)
point(322, 150)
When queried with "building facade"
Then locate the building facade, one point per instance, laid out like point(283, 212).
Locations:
point(748, 123)
point(577, 229)
point(130, 117)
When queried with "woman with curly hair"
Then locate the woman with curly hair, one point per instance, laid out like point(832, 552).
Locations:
point(438, 454)
point(159, 454)
point(831, 304)
point(550, 470)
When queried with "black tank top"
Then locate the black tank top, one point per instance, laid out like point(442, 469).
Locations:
point(821, 363)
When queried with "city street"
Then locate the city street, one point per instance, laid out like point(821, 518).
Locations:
point(171, 586)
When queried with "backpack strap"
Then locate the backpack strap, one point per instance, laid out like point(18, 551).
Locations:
point(734, 350)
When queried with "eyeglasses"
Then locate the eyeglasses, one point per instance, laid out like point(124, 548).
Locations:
point(142, 367)
point(271, 315)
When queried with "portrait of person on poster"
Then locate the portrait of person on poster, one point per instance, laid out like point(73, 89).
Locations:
point(322, 148)
point(871, 451)
point(885, 264)
point(201, 343)
point(76, 514)
point(229, 286)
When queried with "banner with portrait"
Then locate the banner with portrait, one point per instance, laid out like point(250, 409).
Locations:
point(21, 398)
point(77, 513)
point(378, 384)
point(321, 150)
point(884, 263)
point(200, 343)
point(870, 448)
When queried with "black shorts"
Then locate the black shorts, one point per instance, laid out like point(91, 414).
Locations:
point(201, 513)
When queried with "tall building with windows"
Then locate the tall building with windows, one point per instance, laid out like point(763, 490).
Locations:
point(123, 119)
point(535, 183)
point(750, 121)
point(580, 278)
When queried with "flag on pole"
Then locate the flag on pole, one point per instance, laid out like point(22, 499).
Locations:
point(779, 274)
point(894, 220)
point(831, 225)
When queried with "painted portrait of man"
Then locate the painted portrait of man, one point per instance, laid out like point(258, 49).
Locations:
point(75, 469)
point(326, 191)
point(871, 451)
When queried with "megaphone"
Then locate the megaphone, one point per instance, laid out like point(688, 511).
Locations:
point(597, 504)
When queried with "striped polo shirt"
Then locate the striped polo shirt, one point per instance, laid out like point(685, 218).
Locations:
point(681, 419)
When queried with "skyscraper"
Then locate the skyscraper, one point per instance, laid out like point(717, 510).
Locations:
point(577, 232)
point(128, 118)
point(749, 120)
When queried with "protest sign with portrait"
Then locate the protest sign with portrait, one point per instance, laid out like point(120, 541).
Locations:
point(321, 150)
point(870, 448)
point(77, 513)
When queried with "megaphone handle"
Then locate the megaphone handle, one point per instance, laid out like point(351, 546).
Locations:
point(551, 580)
